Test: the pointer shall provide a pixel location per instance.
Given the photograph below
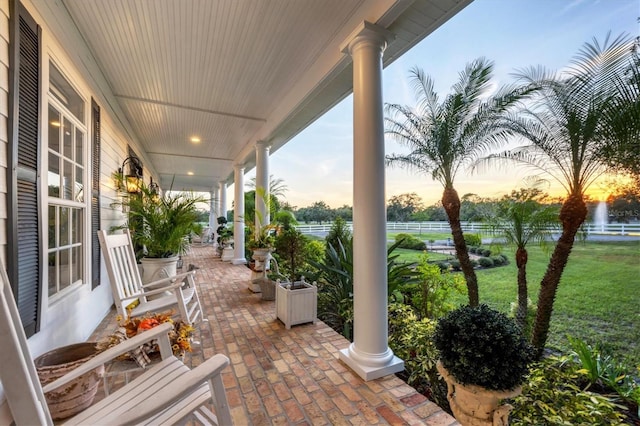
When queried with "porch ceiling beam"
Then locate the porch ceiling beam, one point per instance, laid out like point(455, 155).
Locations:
point(190, 108)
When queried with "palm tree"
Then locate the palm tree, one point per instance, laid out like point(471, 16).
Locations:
point(573, 116)
point(277, 186)
point(443, 137)
point(521, 219)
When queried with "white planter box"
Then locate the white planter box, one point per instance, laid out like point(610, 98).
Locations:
point(297, 306)
point(227, 254)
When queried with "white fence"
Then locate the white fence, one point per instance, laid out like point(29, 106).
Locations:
point(473, 227)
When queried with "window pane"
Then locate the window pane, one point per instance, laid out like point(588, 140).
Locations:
point(52, 226)
point(65, 269)
point(79, 187)
point(64, 226)
point(54, 129)
point(60, 88)
point(76, 226)
point(79, 147)
point(67, 180)
point(54, 175)
point(76, 274)
point(68, 131)
point(53, 275)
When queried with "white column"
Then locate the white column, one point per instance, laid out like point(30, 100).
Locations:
point(213, 211)
point(222, 189)
point(369, 354)
point(238, 215)
point(262, 185)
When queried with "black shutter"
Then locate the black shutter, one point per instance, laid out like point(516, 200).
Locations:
point(95, 194)
point(23, 178)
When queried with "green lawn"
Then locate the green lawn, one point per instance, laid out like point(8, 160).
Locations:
point(424, 236)
point(406, 255)
point(598, 299)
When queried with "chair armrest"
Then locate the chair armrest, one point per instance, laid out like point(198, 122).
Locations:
point(115, 351)
point(179, 388)
point(173, 279)
point(137, 295)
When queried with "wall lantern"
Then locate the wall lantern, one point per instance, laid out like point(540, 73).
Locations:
point(154, 189)
point(132, 181)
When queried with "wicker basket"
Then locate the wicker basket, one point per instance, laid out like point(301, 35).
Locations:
point(76, 395)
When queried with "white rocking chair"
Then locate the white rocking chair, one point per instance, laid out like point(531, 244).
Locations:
point(127, 287)
point(167, 393)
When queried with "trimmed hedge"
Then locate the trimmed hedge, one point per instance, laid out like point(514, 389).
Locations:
point(486, 262)
point(410, 242)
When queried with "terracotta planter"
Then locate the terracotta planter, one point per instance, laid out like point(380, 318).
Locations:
point(476, 406)
point(76, 395)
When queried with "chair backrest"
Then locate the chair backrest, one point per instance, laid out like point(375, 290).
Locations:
point(17, 371)
point(122, 268)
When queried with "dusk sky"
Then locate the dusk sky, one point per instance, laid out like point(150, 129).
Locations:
point(317, 165)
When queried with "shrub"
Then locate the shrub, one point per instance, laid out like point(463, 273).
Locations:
point(481, 346)
point(408, 241)
point(485, 252)
point(497, 260)
point(339, 232)
point(474, 262)
point(485, 262)
point(444, 266)
point(431, 295)
point(472, 240)
point(472, 250)
point(505, 259)
point(552, 396)
point(455, 265)
point(412, 340)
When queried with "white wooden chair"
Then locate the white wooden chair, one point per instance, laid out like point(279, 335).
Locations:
point(127, 287)
point(167, 393)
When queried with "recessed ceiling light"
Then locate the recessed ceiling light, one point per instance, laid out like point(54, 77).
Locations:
point(195, 139)
point(190, 173)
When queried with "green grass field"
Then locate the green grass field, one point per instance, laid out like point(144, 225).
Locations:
point(598, 299)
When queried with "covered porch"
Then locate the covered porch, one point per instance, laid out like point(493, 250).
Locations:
point(280, 376)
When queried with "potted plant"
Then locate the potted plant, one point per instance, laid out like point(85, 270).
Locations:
point(483, 358)
point(160, 227)
point(225, 238)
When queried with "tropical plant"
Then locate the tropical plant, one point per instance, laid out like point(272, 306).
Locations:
point(411, 339)
point(483, 347)
point(339, 232)
point(161, 225)
point(261, 230)
point(445, 136)
point(335, 284)
point(335, 288)
point(552, 396)
point(433, 298)
point(567, 126)
point(522, 218)
point(277, 186)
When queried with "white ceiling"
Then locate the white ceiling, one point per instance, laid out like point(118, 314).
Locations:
point(233, 72)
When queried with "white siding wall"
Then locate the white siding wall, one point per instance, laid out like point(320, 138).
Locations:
point(71, 318)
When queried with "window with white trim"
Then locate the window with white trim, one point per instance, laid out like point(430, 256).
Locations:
point(66, 171)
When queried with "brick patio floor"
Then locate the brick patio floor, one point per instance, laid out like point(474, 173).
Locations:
point(287, 377)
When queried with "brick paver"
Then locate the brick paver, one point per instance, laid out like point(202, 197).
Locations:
point(280, 376)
